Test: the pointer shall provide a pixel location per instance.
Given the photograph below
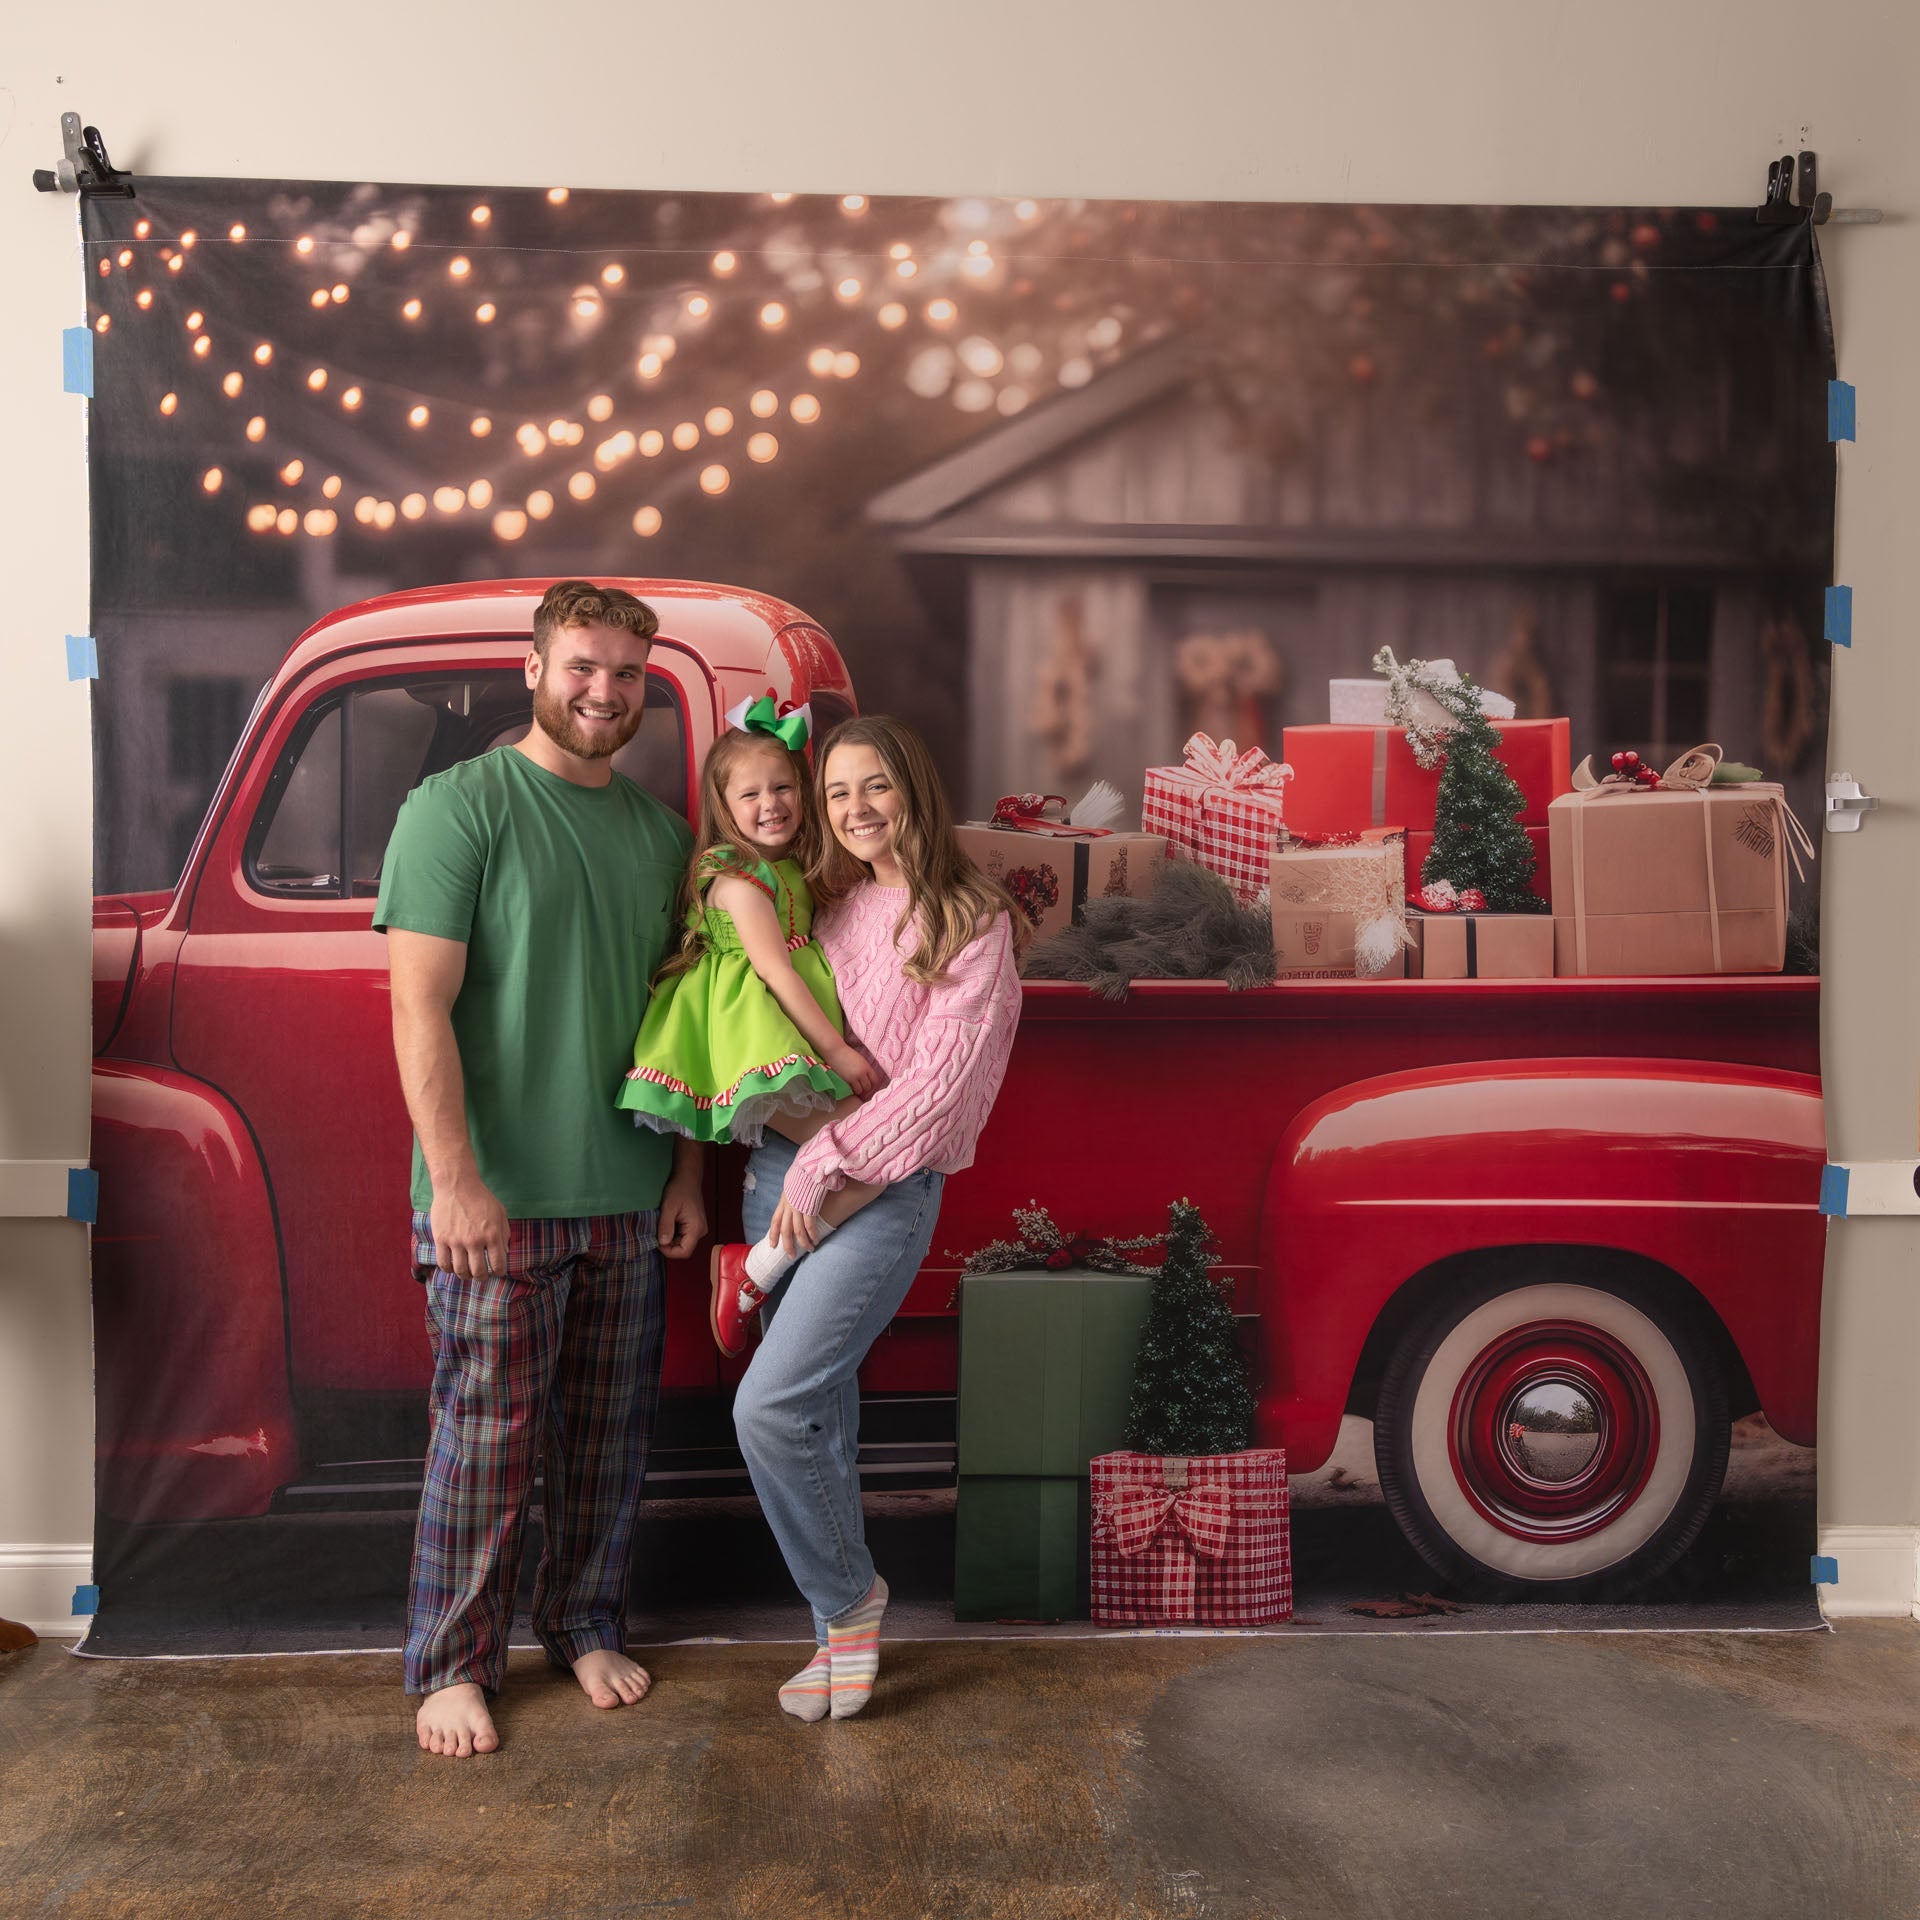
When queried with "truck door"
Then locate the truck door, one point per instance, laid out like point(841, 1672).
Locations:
point(281, 998)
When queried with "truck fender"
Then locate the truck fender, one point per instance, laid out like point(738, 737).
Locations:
point(1701, 1170)
point(190, 1328)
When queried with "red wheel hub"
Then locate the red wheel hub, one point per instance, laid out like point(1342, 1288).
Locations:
point(1554, 1430)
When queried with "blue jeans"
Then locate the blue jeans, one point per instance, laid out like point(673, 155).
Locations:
point(797, 1412)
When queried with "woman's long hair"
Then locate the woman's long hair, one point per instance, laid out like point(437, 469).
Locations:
point(715, 830)
point(948, 897)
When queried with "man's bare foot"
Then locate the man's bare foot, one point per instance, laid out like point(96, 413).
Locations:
point(611, 1679)
point(454, 1721)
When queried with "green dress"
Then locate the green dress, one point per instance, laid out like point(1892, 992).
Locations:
point(716, 1055)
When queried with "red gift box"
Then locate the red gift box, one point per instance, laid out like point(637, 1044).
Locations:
point(1201, 1539)
point(1347, 778)
point(1222, 810)
point(1419, 845)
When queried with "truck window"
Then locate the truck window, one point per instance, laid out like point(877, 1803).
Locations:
point(323, 824)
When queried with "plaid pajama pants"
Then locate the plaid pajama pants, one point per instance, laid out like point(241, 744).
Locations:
point(554, 1366)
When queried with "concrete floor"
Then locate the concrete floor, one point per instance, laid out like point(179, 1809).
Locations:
point(1580, 1775)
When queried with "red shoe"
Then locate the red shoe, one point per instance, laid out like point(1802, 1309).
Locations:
point(733, 1326)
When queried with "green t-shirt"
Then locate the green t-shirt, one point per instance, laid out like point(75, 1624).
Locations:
point(564, 896)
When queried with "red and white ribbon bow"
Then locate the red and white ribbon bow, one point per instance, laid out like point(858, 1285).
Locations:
point(1199, 1516)
point(1221, 764)
point(1027, 813)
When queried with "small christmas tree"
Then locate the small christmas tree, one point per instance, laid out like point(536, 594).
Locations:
point(1478, 841)
point(1190, 1391)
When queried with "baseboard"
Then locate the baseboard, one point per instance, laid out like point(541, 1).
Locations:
point(37, 1585)
point(1879, 1571)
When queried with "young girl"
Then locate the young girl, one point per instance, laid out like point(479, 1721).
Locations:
point(744, 1030)
point(922, 945)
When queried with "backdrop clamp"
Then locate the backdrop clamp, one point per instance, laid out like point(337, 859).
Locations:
point(84, 167)
point(1780, 209)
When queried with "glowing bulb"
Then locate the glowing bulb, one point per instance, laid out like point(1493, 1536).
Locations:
point(351, 399)
point(413, 506)
point(699, 306)
point(104, 323)
point(448, 499)
point(764, 404)
point(612, 274)
point(330, 487)
point(600, 407)
point(231, 385)
point(905, 269)
point(853, 202)
point(480, 495)
point(648, 366)
point(1026, 210)
point(980, 356)
point(849, 289)
point(304, 244)
point(263, 354)
point(646, 523)
point(288, 521)
point(211, 479)
point(481, 215)
point(178, 261)
point(762, 447)
point(125, 256)
point(383, 515)
point(106, 267)
point(651, 442)
point(411, 311)
point(773, 315)
point(318, 298)
point(260, 518)
point(724, 262)
point(719, 420)
point(320, 522)
point(820, 362)
point(779, 199)
point(485, 311)
point(686, 436)
point(169, 403)
point(531, 440)
point(417, 416)
point(195, 321)
point(459, 267)
point(892, 315)
point(977, 266)
point(845, 365)
point(560, 432)
point(976, 247)
point(340, 292)
point(1104, 333)
point(480, 426)
point(581, 485)
point(142, 229)
point(941, 312)
point(540, 503)
point(144, 298)
point(556, 196)
point(203, 346)
point(804, 408)
point(715, 479)
point(291, 472)
point(401, 240)
point(899, 251)
point(317, 379)
point(257, 427)
point(664, 344)
point(509, 524)
point(364, 509)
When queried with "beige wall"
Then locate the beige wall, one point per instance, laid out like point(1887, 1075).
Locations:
point(1475, 100)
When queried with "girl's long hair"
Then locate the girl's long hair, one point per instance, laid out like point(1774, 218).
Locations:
point(715, 830)
point(948, 897)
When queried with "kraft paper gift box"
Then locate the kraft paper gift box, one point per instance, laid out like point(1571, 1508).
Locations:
point(1046, 1370)
point(1482, 946)
point(1222, 809)
point(1325, 897)
point(1347, 778)
point(1419, 845)
point(1201, 1540)
point(1052, 872)
point(1671, 880)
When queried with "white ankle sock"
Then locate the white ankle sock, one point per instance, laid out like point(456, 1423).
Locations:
point(768, 1263)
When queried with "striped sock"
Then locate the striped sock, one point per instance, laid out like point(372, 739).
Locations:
point(854, 1642)
point(805, 1695)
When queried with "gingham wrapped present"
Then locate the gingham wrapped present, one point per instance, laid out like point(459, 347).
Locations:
point(1201, 1539)
point(1222, 809)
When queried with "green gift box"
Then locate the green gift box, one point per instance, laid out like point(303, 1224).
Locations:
point(1046, 1369)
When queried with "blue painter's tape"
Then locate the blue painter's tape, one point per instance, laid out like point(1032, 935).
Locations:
point(1839, 410)
point(86, 1599)
point(76, 360)
point(1826, 1570)
point(83, 657)
point(1833, 1190)
point(1839, 624)
point(83, 1194)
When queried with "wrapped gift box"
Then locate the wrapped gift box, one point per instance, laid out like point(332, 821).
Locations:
point(1481, 946)
point(1419, 845)
point(1690, 880)
point(1053, 873)
point(1046, 1370)
point(1323, 896)
point(1201, 1540)
point(1222, 809)
point(1346, 778)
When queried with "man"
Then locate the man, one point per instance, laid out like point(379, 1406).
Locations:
point(527, 897)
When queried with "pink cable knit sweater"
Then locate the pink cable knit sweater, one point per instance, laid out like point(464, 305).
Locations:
point(943, 1050)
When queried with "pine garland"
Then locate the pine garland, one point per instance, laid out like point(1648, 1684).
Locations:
point(1190, 1390)
point(1042, 1245)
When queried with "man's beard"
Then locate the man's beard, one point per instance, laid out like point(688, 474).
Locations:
point(554, 717)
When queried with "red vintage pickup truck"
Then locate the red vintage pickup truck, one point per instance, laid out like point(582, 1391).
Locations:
point(1550, 1236)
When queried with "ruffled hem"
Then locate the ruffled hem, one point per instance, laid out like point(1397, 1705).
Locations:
point(797, 1084)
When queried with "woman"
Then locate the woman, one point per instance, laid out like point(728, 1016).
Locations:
point(922, 946)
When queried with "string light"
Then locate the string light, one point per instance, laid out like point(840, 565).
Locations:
point(780, 199)
point(411, 311)
point(845, 365)
point(103, 324)
point(263, 354)
point(236, 231)
point(1026, 210)
point(401, 240)
point(600, 407)
point(980, 356)
point(719, 420)
point(480, 495)
point(724, 263)
point(318, 298)
point(211, 479)
point(304, 244)
point(804, 408)
point(586, 304)
point(484, 312)
point(383, 515)
point(941, 312)
point(651, 442)
point(351, 399)
point(340, 293)
point(773, 315)
point(646, 523)
point(449, 499)
point(905, 269)
point(612, 274)
point(581, 485)
point(892, 315)
point(820, 362)
point(320, 522)
point(195, 321)
point(260, 518)
point(169, 403)
point(459, 267)
point(231, 386)
point(698, 306)
point(144, 298)
point(556, 196)
point(106, 266)
point(509, 524)
point(481, 215)
point(715, 479)
point(480, 426)
point(764, 404)
point(532, 442)
point(317, 380)
point(686, 436)
point(257, 427)
point(849, 289)
point(364, 509)
point(648, 366)
point(287, 521)
point(762, 447)
point(291, 472)
point(899, 251)
point(203, 346)
point(853, 203)
point(125, 256)
point(413, 505)
point(539, 503)
point(418, 417)
point(330, 487)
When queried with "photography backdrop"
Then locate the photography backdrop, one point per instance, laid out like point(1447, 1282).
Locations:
point(1064, 479)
